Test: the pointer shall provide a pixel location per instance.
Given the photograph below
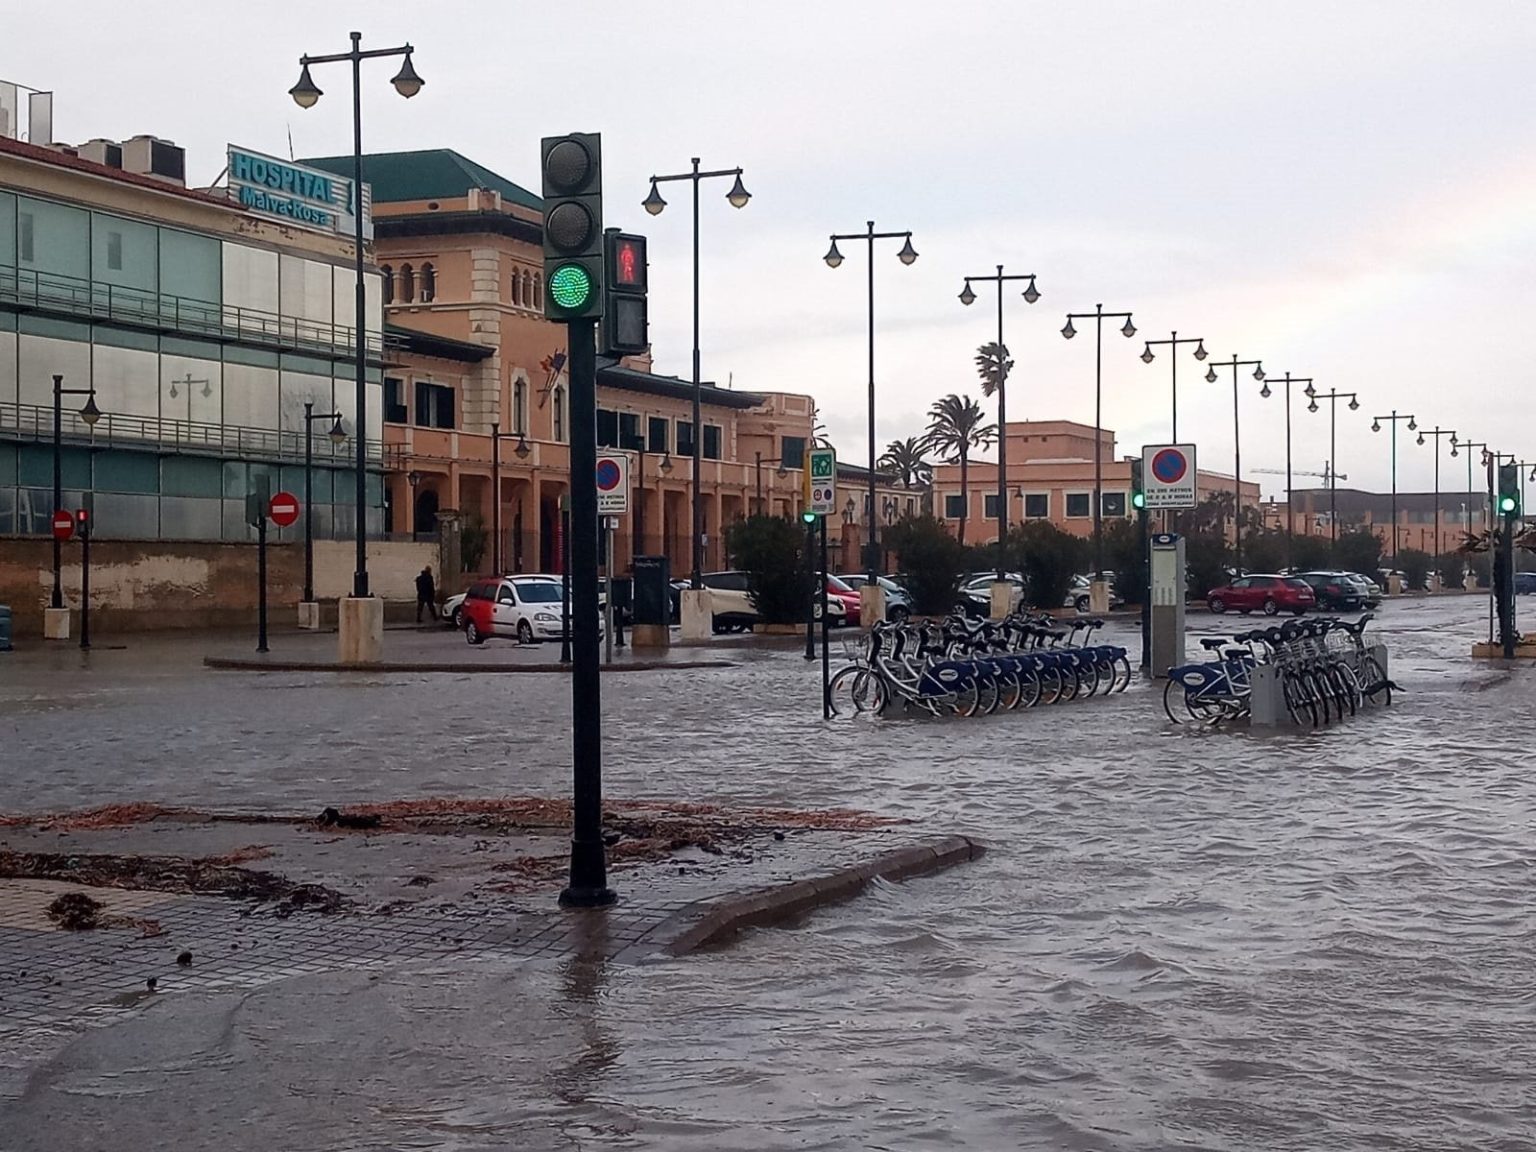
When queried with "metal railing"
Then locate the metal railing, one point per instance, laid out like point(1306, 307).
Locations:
point(75, 297)
point(35, 422)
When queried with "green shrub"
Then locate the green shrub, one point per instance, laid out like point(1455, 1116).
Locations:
point(1452, 567)
point(474, 540)
point(1125, 553)
point(1358, 550)
point(930, 562)
point(1206, 555)
point(770, 550)
point(1415, 566)
point(1047, 558)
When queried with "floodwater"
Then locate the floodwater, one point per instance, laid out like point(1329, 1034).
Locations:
point(1179, 940)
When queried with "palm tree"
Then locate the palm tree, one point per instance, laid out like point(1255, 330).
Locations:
point(818, 429)
point(956, 426)
point(905, 459)
point(988, 357)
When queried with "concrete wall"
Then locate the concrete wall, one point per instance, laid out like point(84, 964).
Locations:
point(138, 586)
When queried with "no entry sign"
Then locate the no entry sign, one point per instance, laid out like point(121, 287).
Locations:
point(613, 485)
point(63, 524)
point(284, 509)
point(1168, 475)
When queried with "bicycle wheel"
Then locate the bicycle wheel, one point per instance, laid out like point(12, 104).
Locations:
point(854, 689)
point(1349, 687)
point(989, 694)
point(1374, 683)
point(1088, 678)
point(1125, 674)
point(966, 701)
point(1171, 691)
point(1011, 688)
point(1029, 687)
point(1322, 696)
point(1297, 703)
point(1052, 684)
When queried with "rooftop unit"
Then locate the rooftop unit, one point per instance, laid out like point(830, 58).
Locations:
point(156, 158)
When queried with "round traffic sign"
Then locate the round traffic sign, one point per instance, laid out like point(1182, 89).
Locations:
point(63, 525)
point(609, 475)
point(1169, 465)
point(284, 509)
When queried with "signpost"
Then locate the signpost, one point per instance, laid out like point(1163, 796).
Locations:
point(1168, 471)
point(284, 510)
point(821, 481)
point(613, 485)
point(63, 524)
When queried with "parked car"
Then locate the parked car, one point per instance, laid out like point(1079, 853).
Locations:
point(1336, 591)
point(842, 602)
point(898, 601)
point(1525, 583)
point(730, 605)
point(1078, 596)
point(1369, 588)
point(976, 592)
point(528, 608)
point(1267, 594)
point(453, 611)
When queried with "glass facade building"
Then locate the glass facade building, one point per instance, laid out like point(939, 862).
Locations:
point(203, 350)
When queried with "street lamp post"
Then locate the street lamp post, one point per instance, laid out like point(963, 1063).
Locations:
point(834, 258)
point(522, 452)
point(1333, 397)
point(305, 94)
point(89, 413)
point(1237, 446)
point(1290, 517)
point(337, 436)
point(665, 468)
point(967, 297)
point(1436, 434)
point(413, 478)
point(1098, 316)
point(1173, 342)
point(757, 472)
point(1376, 427)
point(738, 197)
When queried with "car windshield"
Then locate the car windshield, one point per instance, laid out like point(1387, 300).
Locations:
point(538, 592)
point(837, 585)
point(1295, 583)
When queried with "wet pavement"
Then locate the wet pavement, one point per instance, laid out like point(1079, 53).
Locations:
point(1179, 939)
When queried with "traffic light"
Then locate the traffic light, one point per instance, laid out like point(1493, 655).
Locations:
point(1138, 489)
point(1509, 490)
point(572, 171)
point(808, 517)
point(625, 330)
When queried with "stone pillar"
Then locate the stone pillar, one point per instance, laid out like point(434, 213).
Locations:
point(361, 629)
point(56, 623)
point(698, 614)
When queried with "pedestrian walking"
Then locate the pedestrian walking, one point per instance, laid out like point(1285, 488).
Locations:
point(426, 594)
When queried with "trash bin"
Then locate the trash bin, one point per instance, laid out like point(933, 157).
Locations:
point(5, 627)
point(650, 595)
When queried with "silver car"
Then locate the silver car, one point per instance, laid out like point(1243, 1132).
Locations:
point(898, 601)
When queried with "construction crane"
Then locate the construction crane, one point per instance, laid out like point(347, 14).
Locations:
point(1324, 474)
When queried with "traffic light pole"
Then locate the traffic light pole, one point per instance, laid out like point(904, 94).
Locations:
point(826, 670)
point(261, 582)
point(588, 887)
point(87, 515)
point(810, 613)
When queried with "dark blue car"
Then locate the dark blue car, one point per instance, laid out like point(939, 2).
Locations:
point(1525, 582)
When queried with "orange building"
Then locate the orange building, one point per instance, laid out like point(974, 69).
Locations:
point(1050, 477)
point(468, 350)
point(1420, 515)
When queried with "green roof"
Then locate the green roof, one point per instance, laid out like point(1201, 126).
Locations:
point(431, 174)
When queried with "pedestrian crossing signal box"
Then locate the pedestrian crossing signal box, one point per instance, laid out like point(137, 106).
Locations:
point(1168, 586)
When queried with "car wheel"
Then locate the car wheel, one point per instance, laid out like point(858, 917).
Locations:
point(1217, 605)
point(472, 633)
point(524, 632)
point(717, 626)
point(458, 618)
point(899, 614)
point(1270, 607)
point(1302, 611)
point(1081, 604)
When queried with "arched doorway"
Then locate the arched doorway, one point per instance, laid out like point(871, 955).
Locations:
point(425, 518)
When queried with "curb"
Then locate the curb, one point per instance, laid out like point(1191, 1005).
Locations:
point(713, 921)
point(223, 664)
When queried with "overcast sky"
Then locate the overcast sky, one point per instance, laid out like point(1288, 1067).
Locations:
point(1345, 189)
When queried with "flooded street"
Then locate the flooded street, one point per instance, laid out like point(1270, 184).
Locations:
point(1179, 939)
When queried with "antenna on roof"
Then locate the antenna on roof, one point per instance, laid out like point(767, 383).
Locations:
point(290, 141)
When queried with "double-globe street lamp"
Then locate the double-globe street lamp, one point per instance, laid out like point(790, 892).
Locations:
point(1436, 435)
point(89, 414)
point(1333, 397)
point(739, 198)
point(1237, 446)
point(522, 452)
point(834, 258)
point(1394, 419)
point(1290, 496)
point(305, 94)
point(337, 436)
point(1098, 316)
point(1173, 342)
point(968, 297)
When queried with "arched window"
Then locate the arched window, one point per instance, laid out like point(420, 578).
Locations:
point(389, 284)
point(527, 289)
point(538, 291)
point(407, 284)
point(557, 404)
point(520, 406)
point(517, 288)
point(428, 283)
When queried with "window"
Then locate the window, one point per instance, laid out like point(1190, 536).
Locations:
point(517, 288)
point(1037, 505)
point(389, 284)
point(394, 401)
point(428, 283)
point(423, 404)
point(685, 438)
point(520, 406)
point(442, 406)
point(792, 451)
point(538, 291)
point(434, 405)
point(656, 434)
point(504, 595)
point(557, 403)
point(24, 238)
point(954, 507)
point(989, 506)
point(711, 442)
point(115, 251)
point(1112, 503)
point(607, 428)
point(1079, 504)
point(407, 284)
point(629, 431)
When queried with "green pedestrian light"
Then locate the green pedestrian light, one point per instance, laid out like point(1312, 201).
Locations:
point(570, 286)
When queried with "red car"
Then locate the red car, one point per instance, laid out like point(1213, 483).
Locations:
point(849, 596)
point(1267, 594)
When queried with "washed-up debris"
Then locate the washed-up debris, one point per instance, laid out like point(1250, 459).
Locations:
point(75, 911)
point(332, 818)
point(185, 959)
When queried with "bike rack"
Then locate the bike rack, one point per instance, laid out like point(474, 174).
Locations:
point(1266, 701)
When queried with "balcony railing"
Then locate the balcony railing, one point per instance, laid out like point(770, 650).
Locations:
point(72, 297)
point(35, 422)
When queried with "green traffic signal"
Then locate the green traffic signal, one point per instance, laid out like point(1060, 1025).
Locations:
point(1508, 504)
point(570, 286)
point(1509, 490)
point(1138, 500)
point(808, 517)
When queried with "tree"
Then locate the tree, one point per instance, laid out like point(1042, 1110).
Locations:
point(818, 429)
point(474, 539)
point(993, 366)
point(956, 425)
point(1415, 565)
point(1125, 551)
point(770, 550)
point(1207, 554)
point(1047, 558)
point(905, 459)
point(930, 562)
point(1358, 550)
point(1452, 567)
